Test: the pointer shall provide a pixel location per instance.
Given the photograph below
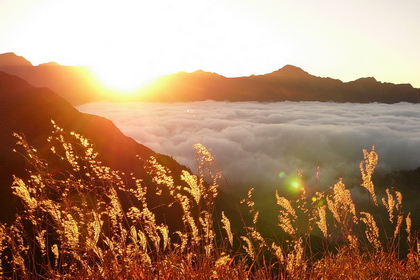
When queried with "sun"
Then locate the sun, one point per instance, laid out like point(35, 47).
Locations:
point(123, 79)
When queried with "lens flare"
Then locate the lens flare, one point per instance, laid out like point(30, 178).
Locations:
point(295, 184)
point(291, 183)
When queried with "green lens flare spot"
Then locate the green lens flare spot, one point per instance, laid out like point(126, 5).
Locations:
point(296, 184)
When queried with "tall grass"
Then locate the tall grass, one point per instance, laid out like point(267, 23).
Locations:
point(92, 222)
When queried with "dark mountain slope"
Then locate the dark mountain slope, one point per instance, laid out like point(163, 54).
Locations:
point(29, 110)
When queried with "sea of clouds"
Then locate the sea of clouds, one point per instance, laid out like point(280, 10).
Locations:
point(262, 144)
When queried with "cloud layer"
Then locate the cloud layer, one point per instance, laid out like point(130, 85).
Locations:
point(254, 142)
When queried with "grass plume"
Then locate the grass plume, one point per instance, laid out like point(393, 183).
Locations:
point(75, 225)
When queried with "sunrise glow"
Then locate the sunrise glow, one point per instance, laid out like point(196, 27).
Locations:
point(128, 42)
point(122, 79)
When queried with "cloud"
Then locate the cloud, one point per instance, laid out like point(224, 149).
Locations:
point(253, 142)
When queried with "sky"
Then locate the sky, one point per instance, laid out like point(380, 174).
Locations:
point(129, 42)
point(255, 143)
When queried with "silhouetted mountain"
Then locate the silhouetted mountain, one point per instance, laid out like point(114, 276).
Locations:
point(289, 83)
point(13, 61)
point(29, 110)
point(77, 85)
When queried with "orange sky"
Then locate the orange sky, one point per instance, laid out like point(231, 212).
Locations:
point(129, 42)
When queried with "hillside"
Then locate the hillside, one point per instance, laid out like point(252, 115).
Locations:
point(29, 110)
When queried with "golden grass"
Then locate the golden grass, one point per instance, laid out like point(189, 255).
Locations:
point(74, 226)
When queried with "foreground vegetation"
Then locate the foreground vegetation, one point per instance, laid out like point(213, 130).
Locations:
point(91, 222)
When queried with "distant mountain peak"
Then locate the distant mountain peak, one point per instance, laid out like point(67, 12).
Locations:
point(371, 80)
point(11, 59)
point(290, 70)
point(206, 73)
point(51, 64)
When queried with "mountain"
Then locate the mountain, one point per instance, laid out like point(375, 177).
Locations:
point(288, 83)
point(29, 110)
point(13, 61)
point(78, 85)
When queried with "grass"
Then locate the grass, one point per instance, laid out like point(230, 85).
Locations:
point(91, 222)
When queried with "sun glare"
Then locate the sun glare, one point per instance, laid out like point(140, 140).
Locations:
point(121, 79)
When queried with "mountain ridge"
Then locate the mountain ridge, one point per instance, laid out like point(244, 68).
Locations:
point(288, 70)
point(11, 59)
point(78, 85)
